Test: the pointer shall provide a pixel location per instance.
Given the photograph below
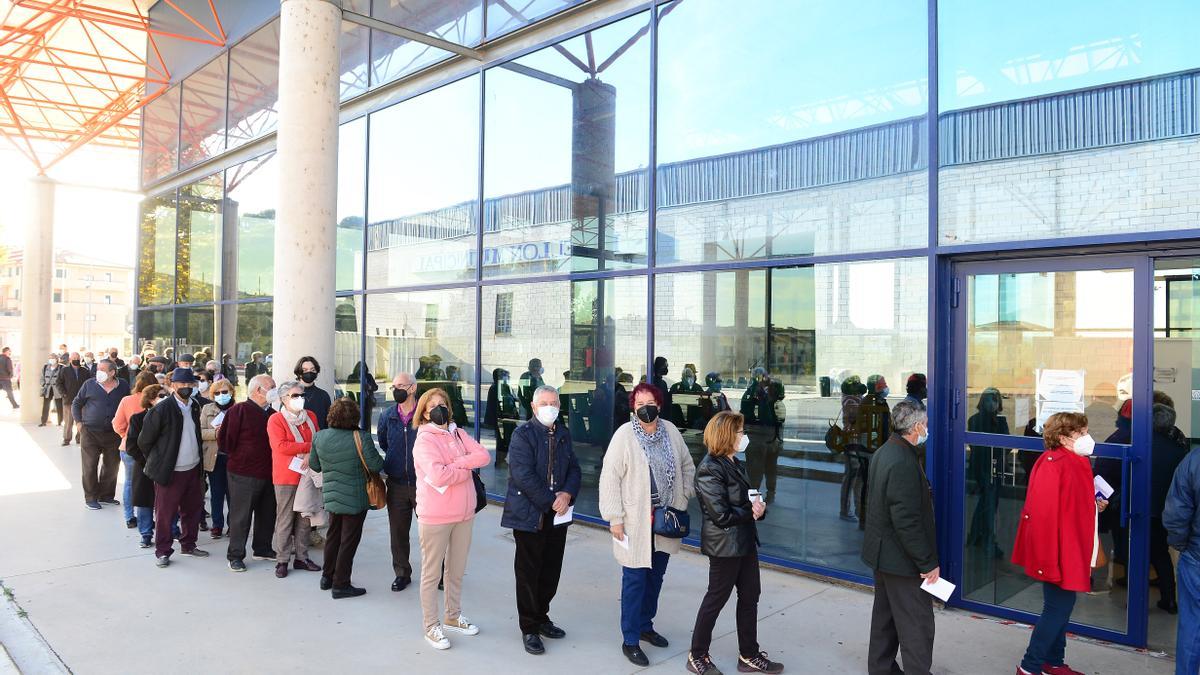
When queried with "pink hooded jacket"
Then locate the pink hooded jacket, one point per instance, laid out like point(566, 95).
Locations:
point(444, 460)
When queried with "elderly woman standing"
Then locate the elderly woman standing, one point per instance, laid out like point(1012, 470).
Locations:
point(291, 434)
point(142, 498)
point(211, 417)
point(1057, 539)
point(51, 393)
point(128, 407)
point(647, 466)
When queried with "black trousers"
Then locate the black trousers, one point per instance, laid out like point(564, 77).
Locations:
point(341, 543)
point(1160, 558)
point(401, 502)
point(538, 566)
point(58, 409)
point(250, 497)
point(724, 574)
point(100, 448)
point(6, 387)
point(902, 619)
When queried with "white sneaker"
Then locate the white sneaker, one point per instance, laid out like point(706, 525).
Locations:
point(462, 626)
point(436, 638)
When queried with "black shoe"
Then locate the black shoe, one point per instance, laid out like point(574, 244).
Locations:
point(195, 552)
point(326, 583)
point(66, 443)
point(1168, 606)
point(533, 644)
point(147, 543)
point(401, 583)
point(42, 424)
point(655, 639)
point(635, 655)
point(203, 525)
point(549, 630)
point(110, 502)
point(93, 506)
point(237, 565)
point(759, 663)
point(131, 523)
point(348, 592)
point(702, 665)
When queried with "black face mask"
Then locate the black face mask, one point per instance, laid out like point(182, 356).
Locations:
point(308, 377)
point(648, 413)
point(440, 415)
point(400, 395)
point(184, 392)
point(75, 362)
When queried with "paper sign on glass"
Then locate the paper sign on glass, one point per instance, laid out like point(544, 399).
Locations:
point(940, 589)
point(566, 517)
point(1060, 385)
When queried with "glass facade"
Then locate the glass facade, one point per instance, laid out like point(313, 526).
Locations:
point(750, 192)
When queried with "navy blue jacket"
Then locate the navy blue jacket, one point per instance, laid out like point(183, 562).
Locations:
point(1181, 514)
point(96, 408)
point(530, 494)
point(397, 440)
point(317, 400)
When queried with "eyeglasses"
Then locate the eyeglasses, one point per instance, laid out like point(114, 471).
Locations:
point(294, 396)
point(410, 385)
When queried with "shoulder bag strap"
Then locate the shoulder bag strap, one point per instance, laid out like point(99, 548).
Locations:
point(358, 445)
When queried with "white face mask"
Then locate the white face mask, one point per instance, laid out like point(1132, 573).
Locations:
point(295, 404)
point(1084, 445)
point(743, 443)
point(101, 376)
point(272, 396)
point(923, 436)
point(547, 415)
point(51, 362)
point(202, 387)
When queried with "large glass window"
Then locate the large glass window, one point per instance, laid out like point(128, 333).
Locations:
point(160, 136)
point(567, 139)
point(156, 259)
point(1073, 125)
point(351, 203)
point(776, 345)
point(198, 253)
point(588, 339)
point(424, 188)
point(254, 85)
point(505, 16)
point(355, 51)
point(429, 334)
point(195, 332)
point(251, 348)
point(155, 330)
point(204, 103)
point(458, 21)
point(790, 129)
point(251, 192)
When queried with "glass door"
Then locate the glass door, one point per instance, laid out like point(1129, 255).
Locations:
point(1033, 338)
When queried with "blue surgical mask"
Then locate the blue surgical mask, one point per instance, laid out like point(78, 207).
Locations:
point(223, 398)
point(923, 436)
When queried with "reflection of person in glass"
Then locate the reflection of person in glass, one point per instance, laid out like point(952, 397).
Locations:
point(714, 400)
point(873, 427)
point(621, 409)
point(661, 368)
point(1110, 469)
point(360, 374)
point(687, 385)
point(983, 472)
point(852, 393)
point(530, 380)
point(600, 411)
point(1056, 540)
point(500, 412)
point(763, 426)
point(1165, 455)
point(458, 409)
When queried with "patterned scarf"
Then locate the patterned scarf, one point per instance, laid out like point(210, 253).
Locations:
point(661, 459)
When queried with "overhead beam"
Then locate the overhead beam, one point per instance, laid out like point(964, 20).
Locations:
point(409, 34)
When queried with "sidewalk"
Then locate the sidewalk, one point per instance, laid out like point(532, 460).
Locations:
point(104, 607)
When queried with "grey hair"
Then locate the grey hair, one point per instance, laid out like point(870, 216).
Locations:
point(212, 363)
point(257, 381)
point(546, 389)
point(1164, 417)
point(285, 387)
point(907, 415)
point(111, 366)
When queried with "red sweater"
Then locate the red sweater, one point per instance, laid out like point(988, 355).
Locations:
point(243, 436)
point(1057, 531)
point(284, 447)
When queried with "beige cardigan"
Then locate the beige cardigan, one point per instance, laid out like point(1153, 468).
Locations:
point(625, 492)
point(208, 434)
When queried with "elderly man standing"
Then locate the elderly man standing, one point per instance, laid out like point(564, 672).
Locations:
point(95, 406)
point(397, 435)
point(170, 439)
point(899, 544)
point(544, 479)
point(70, 380)
point(1181, 519)
point(7, 372)
point(243, 436)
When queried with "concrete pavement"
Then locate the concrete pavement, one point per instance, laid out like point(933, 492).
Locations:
point(103, 607)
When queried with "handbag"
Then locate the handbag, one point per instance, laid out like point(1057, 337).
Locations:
point(835, 436)
point(376, 491)
point(667, 521)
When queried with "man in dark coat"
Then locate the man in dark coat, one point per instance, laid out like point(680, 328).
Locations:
point(70, 379)
point(170, 440)
point(316, 399)
point(397, 436)
point(1181, 519)
point(95, 406)
point(1165, 456)
point(544, 479)
point(763, 426)
point(899, 544)
point(6, 376)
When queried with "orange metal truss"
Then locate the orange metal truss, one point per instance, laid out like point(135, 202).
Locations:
point(74, 72)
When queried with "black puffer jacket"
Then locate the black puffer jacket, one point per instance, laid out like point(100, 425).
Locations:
point(722, 488)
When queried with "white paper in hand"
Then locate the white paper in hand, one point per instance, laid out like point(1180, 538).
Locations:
point(940, 589)
point(622, 542)
point(216, 421)
point(440, 490)
point(566, 517)
point(1103, 489)
point(297, 465)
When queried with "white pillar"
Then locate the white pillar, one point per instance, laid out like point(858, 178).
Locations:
point(37, 277)
point(305, 227)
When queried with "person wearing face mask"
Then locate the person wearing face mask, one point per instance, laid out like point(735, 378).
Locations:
point(134, 368)
point(215, 459)
point(170, 440)
point(71, 378)
point(130, 406)
point(397, 433)
point(255, 366)
point(729, 538)
point(763, 426)
point(714, 400)
point(544, 479)
point(688, 387)
point(900, 546)
point(89, 362)
point(647, 466)
point(243, 436)
point(983, 472)
point(95, 406)
point(51, 393)
point(661, 368)
point(530, 380)
point(444, 458)
point(316, 399)
point(1058, 541)
point(204, 381)
point(122, 368)
point(142, 496)
point(290, 433)
point(229, 369)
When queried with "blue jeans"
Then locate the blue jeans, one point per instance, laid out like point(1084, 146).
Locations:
point(127, 495)
point(218, 489)
point(640, 587)
point(1187, 637)
point(145, 518)
point(1048, 643)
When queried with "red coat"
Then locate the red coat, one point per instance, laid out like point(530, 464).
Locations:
point(1057, 532)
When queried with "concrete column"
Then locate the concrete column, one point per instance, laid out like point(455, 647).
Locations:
point(305, 228)
point(37, 278)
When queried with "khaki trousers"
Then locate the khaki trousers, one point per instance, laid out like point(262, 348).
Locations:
point(440, 544)
point(291, 528)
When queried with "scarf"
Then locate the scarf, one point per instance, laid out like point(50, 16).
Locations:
point(295, 420)
point(661, 459)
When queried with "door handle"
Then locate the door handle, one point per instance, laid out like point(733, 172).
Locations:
point(1126, 466)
